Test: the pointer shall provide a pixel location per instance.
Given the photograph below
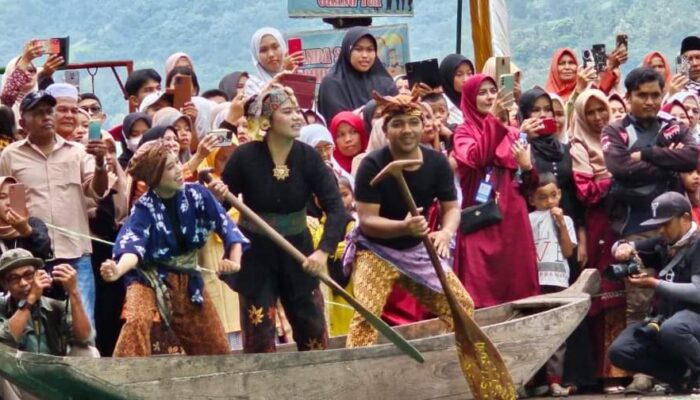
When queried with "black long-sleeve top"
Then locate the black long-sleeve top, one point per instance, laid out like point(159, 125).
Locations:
point(249, 172)
point(38, 243)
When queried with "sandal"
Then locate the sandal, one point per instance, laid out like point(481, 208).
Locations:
point(556, 390)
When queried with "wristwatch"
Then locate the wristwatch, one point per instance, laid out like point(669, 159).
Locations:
point(23, 304)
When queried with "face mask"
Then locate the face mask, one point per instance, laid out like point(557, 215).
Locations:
point(133, 143)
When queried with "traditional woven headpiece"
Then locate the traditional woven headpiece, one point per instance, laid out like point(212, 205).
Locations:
point(148, 163)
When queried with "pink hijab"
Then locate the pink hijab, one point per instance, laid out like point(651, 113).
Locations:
point(171, 62)
point(478, 126)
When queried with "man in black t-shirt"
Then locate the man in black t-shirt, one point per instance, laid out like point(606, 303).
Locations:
point(388, 246)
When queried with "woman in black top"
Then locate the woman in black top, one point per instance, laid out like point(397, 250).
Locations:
point(29, 233)
point(549, 154)
point(276, 177)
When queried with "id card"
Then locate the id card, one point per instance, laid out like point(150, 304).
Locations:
point(484, 193)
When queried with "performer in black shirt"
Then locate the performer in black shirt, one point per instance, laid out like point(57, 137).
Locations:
point(276, 177)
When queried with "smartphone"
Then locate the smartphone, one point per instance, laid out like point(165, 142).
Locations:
point(507, 82)
point(426, 71)
point(502, 67)
point(549, 128)
point(621, 40)
point(600, 58)
point(183, 91)
point(683, 66)
point(587, 58)
point(95, 130)
point(226, 137)
point(522, 138)
point(304, 87)
point(59, 46)
point(18, 199)
point(294, 45)
point(72, 77)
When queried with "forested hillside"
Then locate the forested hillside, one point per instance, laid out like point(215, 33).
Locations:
point(217, 33)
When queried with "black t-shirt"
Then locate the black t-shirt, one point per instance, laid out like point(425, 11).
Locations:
point(433, 180)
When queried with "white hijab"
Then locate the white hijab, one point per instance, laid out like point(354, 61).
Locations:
point(256, 82)
point(314, 134)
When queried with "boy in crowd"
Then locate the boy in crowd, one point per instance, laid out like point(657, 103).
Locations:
point(555, 241)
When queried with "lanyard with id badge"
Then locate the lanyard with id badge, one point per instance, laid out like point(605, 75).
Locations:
point(486, 212)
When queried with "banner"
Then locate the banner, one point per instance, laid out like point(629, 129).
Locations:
point(322, 48)
point(350, 8)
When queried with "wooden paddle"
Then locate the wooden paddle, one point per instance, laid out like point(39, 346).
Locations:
point(376, 322)
point(481, 363)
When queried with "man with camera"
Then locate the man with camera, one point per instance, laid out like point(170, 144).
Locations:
point(31, 322)
point(666, 344)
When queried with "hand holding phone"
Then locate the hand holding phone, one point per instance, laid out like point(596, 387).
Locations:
point(294, 45)
point(225, 137)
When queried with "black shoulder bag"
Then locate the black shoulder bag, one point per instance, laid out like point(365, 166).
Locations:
point(483, 215)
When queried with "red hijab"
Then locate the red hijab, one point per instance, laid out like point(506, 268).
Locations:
point(478, 125)
point(554, 83)
point(667, 68)
point(356, 122)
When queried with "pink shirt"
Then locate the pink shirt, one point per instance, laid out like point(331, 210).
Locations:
point(56, 189)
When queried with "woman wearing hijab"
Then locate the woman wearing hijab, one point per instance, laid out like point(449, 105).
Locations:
point(357, 72)
point(232, 83)
point(454, 70)
point(692, 107)
point(490, 70)
point(659, 63)
point(593, 180)
point(178, 60)
point(678, 111)
point(562, 73)
point(349, 138)
point(559, 109)
point(269, 53)
point(133, 128)
point(548, 153)
point(618, 107)
point(487, 152)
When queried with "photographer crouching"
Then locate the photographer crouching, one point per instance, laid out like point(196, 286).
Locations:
point(666, 345)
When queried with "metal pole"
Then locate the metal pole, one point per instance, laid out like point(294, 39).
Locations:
point(459, 26)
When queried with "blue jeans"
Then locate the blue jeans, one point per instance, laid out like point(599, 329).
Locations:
point(86, 284)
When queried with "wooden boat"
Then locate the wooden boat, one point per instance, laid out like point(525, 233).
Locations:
point(526, 332)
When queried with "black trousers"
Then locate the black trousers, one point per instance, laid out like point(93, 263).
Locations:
point(667, 355)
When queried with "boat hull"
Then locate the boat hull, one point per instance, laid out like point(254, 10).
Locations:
point(526, 333)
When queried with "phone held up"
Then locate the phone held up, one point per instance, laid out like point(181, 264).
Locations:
point(95, 130)
point(683, 66)
point(18, 200)
point(294, 45)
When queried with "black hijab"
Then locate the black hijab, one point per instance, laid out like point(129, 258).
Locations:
point(368, 115)
point(229, 83)
point(548, 147)
point(127, 124)
point(448, 68)
point(346, 89)
point(155, 133)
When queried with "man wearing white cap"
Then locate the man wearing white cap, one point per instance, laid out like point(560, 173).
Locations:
point(66, 110)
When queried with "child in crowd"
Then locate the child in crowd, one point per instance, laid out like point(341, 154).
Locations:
point(691, 184)
point(555, 241)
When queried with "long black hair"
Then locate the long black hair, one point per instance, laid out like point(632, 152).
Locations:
point(8, 127)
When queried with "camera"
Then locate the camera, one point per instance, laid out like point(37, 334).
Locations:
point(650, 328)
point(620, 271)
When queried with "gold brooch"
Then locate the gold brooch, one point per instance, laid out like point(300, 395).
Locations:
point(280, 172)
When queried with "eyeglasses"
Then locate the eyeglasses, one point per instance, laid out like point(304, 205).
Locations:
point(92, 109)
point(14, 279)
